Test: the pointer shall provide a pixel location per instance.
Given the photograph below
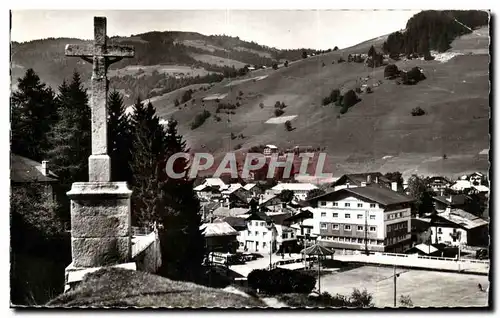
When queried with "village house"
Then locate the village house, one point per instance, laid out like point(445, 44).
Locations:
point(270, 149)
point(439, 184)
point(299, 190)
point(457, 227)
point(441, 203)
point(210, 189)
point(303, 224)
point(420, 230)
point(364, 179)
point(220, 237)
point(364, 217)
point(266, 232)
point(254, 189)
point(424, 249)
point(26, 171)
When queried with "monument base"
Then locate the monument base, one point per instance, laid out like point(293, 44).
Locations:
point(74, 275)
point(100, 223)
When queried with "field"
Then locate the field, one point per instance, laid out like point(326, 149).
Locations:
point(216, 60)
point(378, 133)
point(172, 70)
point(425, 288)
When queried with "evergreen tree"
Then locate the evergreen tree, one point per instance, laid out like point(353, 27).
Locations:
point(183, 245)
point(34, 112)
point(69, 139)
point(371, 51)
point(119, 139)
point(147, 154)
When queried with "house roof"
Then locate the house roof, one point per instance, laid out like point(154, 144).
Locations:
point(294, 187)
point(217, 229)
point(271, 146)
point(214, 182)
point(223, 211)
point(210, 205)
point(461, 184)
point(23, 169)
point(439, 179)
point(242, 195)
point(427, 249)
point(303, 214)
point(279, 218)
point(230, 188)
point(235, 222)
point(463, 218)
point(358, 178)
point(481, 188)
point(249, 186)
point(380, 195)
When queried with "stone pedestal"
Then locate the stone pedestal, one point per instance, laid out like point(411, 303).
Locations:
point(100, 223)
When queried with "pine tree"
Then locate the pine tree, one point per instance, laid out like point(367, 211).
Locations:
point(182, 242)
point(34, 112)
point(119, 139)
point(371, 51)
point(148, 139)
point(70, 137)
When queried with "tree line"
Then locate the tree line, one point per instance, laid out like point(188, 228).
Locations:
point(433, 30)
point(56, 127)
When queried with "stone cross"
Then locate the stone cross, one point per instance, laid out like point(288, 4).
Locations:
point(101, 56)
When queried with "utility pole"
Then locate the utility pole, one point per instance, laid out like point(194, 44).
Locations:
point(395, 283)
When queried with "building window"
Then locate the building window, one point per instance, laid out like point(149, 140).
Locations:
point(360, 216)
point(285, 235)
point(323, 214)
point(264, 233)
point(335, 204)
point(360, 240)
point(323, 226)
point(264, 244)
point(341, 239)
point(256, 233)
point(372, 205)
point(360, 205)
point(347, 227)
point(360, 228)
point(347, 205)
point(439, 231)
point(372, 229)
point(335, 215)
point(249, 232)
point(372, 217)
point(439, 238)
point(399, 214)
point(322, 203)
point(291, 234)
point(347, 216)
point(335, 226)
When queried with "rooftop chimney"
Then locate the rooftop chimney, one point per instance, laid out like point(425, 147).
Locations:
point(347, 185)
point(376, 179)
point(394, 186)
point(45, 168)
point(368, 179)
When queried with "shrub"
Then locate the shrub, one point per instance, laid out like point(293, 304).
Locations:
point(281, 280)
point(340, 60)
point(343, 110)
point(240, 93)
point(405, 301)
point(233, 136)
point(176, 102)
point(336, 48)
point(334, 95)
point(358, 90)
point(286, 63)
point(200, 119)
point(369, 90)
point(391, 71)
point(186, 96)
point(350, 98)
point(339, 100)
point(238, 146)
point(275, 66)
point(217, 118)
point(238, 104)
point(326, 101)
point(304, 54)
point(323, 64)
point(413, 76)
point(193, 101)
point(261, 105)
point(279, 105)
point(417, 111)
point(288, 125)
point(278, 112)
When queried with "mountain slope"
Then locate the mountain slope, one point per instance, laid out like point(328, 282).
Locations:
point(454, 95)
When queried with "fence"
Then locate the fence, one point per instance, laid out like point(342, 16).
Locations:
point(463, 260)
point(141, 231)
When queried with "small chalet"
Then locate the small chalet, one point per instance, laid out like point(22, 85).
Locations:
point(220, 237)
point(364, 179)
point(441, 203)
point(439, 184)
point(270, 149)
point(455, 226)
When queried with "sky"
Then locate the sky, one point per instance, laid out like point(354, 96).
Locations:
point(283, 29)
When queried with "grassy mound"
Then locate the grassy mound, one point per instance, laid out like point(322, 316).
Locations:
point(116, 287)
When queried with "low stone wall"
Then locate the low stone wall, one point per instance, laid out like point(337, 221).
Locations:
point(146, 252)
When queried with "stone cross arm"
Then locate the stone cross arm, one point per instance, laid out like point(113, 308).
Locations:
point(90, 50)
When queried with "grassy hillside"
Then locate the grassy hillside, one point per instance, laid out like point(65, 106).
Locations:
point(115, 287)
point(455, 96)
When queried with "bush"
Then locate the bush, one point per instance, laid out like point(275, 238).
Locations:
point(238, 146)
point(350, 98)
point(326, 101)
point(356, 299)
point(323, 64)
point(343, 110)
point(240, 93)
point(358, 90)
point(217, 118)
point(233, 136)
point(339, 100)
point(200, 119)
point(369, 90)
point(336, 48)
point(286, 63)
point(334, 95)
point(275, 66)
point(238, 104)
point(261, 105)
point(304, 54)
point(176, 102)
point(391, 71)
point(278, 112)
point(186, 96)
point(288, 125)
point(280, 105)
point(417, 111)
point(281, 280)
point(340, 60)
